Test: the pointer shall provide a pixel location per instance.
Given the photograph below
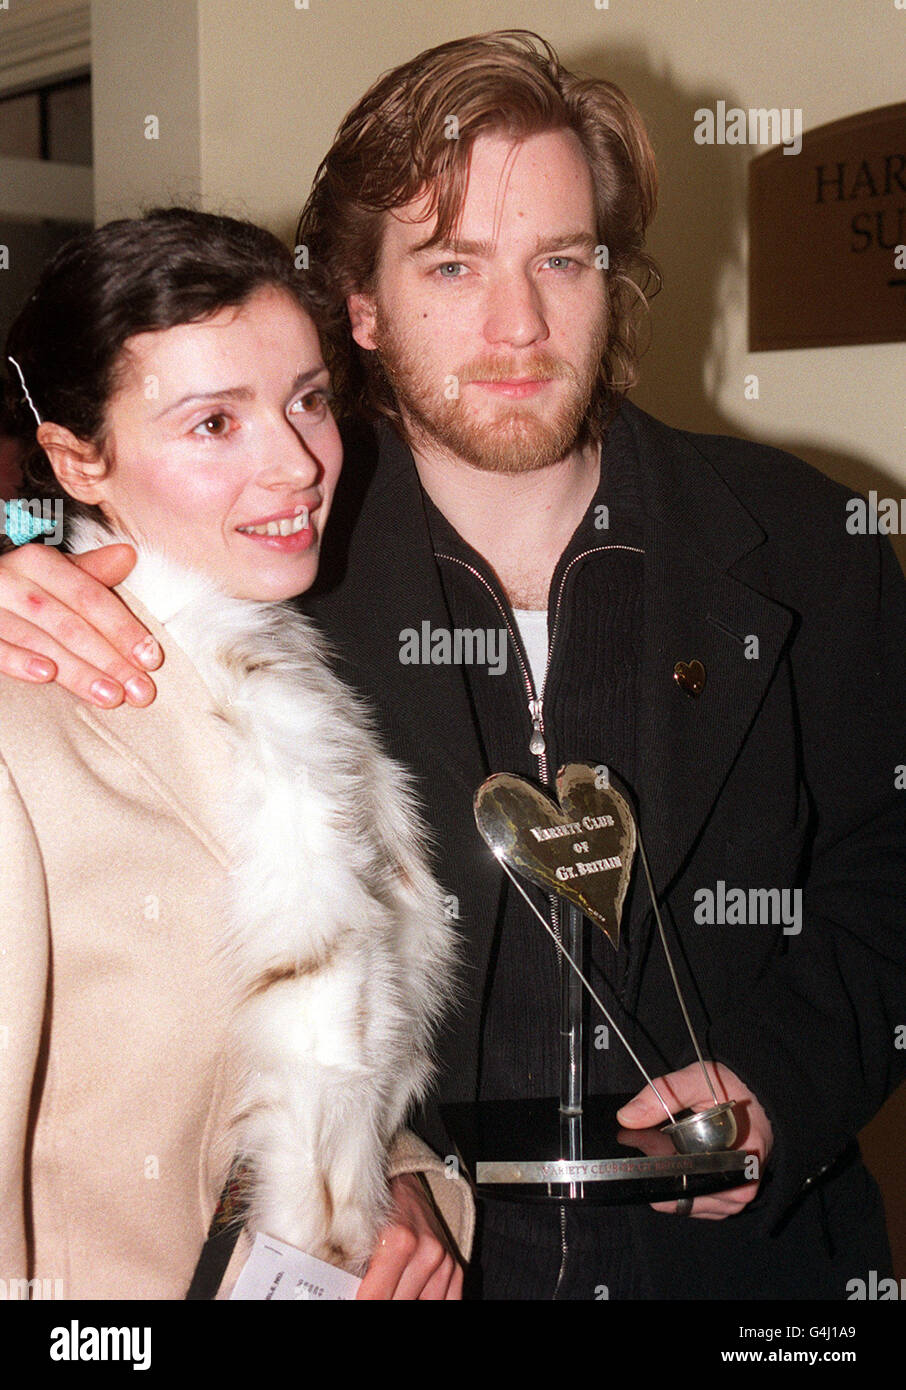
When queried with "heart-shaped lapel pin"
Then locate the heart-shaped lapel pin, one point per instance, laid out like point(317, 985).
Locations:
point(690, 677)
point(582, 850)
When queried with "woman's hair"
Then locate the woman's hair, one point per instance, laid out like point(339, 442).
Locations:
point(412, 133)
point(137, 275)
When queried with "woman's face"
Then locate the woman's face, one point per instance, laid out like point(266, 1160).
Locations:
point(222, 450)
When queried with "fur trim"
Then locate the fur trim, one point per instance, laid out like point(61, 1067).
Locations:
point(337, 945)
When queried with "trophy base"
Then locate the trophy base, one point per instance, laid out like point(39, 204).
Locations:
point(526, 1150)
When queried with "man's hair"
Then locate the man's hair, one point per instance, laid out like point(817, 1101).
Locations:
point(398, 142)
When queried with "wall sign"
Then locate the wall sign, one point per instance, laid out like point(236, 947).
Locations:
point(827, 236)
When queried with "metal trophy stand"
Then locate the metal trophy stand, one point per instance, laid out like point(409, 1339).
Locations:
point(582, 850)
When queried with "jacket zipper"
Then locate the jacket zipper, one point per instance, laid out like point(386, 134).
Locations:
point(537, 745)
point(538, 748)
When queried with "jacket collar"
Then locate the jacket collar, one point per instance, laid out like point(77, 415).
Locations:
point(679, 486)
point(684, 493)
point(695, 608)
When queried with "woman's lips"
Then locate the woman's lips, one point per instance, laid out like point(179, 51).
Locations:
point(288, 545)
point(287, 532)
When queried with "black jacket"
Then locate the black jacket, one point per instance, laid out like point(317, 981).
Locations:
point(782, 773)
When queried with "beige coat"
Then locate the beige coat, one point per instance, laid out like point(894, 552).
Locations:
point(114, 1089)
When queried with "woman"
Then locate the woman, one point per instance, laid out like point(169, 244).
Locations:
point(220, 939)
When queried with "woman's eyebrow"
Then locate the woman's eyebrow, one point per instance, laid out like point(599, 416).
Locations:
point(305, 377)
point(236, 393)
point(231, 393)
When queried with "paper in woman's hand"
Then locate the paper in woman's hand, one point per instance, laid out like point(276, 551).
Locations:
point(276, 1272)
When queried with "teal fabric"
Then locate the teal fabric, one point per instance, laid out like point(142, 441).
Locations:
point(21, 526)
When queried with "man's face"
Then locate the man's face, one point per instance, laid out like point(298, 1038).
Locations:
point(492, 341)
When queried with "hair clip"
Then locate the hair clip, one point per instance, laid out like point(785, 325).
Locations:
point(34, 408)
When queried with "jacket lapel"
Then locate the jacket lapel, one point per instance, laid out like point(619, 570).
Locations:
point(695, 530)
point(176, 745)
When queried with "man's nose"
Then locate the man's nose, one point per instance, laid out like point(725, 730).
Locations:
point(514, 312)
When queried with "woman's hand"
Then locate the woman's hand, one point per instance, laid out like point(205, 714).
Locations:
point(59, 620)
point(412, 1259)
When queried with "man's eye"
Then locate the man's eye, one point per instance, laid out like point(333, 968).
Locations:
point(560, 262)
point(450, 270)
point(312, 406)
point(213, 427)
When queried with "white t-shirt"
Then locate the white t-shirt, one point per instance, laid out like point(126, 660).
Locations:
point(532, 625)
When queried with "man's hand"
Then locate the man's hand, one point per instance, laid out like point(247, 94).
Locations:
point(412, 1259)
point(687, 1089)
point(58, 619)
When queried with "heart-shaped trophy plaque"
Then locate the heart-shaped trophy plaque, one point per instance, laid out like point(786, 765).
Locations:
point(582, 850)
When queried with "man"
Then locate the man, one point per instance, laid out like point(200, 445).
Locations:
point(689, 612)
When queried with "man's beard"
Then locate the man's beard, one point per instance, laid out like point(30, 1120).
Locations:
point(512, 436)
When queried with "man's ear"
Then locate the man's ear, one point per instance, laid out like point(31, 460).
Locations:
point(79, 467)
point(362, 318)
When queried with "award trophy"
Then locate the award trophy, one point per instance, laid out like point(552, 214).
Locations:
point(582, 851)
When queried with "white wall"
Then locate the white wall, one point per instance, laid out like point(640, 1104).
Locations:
point(145, 64)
